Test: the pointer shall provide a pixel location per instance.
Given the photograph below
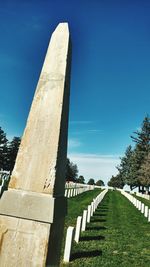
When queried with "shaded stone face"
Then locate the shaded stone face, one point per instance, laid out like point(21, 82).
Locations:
point(42, 153)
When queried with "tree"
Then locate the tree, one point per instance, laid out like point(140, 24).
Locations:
point(127, 168)
point(116, 181)
point(80, 179)
point(144, 173)
point(142, 138)
point(71, 171)
point(134, 158)
point(12, 152)
point(100, 183)
point(142, 148)
point(3, 148)
point(91, 181)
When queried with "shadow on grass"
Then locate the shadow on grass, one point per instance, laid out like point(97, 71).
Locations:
point(102, 210)
point(89, 238)
point(97, 214)
point(102, 207)
point(86, 254)
point(96, 228)
point(97, 220)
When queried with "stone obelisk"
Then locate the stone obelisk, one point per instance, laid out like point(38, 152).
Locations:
point(32, 211)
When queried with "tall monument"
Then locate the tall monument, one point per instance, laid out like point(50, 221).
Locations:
point(32, 211)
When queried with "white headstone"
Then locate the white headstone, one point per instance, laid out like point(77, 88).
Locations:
point(84, 220)
point(89, 213)
point(146, 211)
point(142, 208)
point(149, 216)
point(78, 229)
point(68, 244)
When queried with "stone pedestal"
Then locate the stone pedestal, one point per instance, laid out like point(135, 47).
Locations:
point(33, 209)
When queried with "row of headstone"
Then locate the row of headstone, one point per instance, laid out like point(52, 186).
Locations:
point(4, 178)
point(72, 192)
point(71, 184)
point(143, 195)
point(74, 233)
point(138, 204)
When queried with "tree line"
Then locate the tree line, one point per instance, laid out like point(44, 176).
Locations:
point(134, 169)
point(72, 175)
point(8, 151)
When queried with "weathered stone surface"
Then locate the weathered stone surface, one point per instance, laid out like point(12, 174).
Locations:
point(40, 162)
point(38, 178)
point(23, 242)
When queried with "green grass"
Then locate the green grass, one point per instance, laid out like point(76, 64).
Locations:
point(118, 235)
point(77, 204)
point(143, 200)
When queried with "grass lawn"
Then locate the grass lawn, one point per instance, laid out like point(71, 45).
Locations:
point(117, 236)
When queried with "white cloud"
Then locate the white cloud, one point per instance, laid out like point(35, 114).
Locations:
point(87, 131)
point(95, 131)
point(80, 122)
point(73, 143)
point(95, 165)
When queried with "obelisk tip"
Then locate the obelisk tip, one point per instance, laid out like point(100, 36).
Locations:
point(63, 26)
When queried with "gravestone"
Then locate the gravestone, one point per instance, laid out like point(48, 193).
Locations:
point(32, 211)
point(68, 243)
point(78, 229)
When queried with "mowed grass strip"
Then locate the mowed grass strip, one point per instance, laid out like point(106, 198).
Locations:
point(118, 235)
point(77, 204)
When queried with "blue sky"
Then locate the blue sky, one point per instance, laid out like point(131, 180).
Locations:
point(110, 80)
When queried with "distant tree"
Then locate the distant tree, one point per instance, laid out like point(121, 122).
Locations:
point(127, 168)
point(142, 138)
point(100, 183)
point(3, 148)
point(142, 148)
point(91, 181)
point(133, 159)
point(144, 173)
point(80, 179)
point(71, 171)
point(116, 181)
point(12, 152)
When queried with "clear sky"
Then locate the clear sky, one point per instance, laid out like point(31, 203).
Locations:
point(110, 81)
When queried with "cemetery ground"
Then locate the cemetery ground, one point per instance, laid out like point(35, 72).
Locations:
point(118, 234)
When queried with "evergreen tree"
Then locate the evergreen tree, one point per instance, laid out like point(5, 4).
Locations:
point(131, 163)
point(142, 138)
point(100, 183)
point(80, 179)
point(71, 171)
point(125, 166)
point(91, 181)
point(6, 157)
point(116, 181)
point(142, 148)
point(3, 148)
point(128, 168)
point(12, 152)
point(144, 173)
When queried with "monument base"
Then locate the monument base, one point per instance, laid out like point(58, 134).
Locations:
point(28, 220)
